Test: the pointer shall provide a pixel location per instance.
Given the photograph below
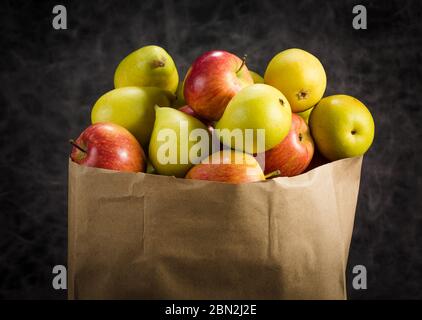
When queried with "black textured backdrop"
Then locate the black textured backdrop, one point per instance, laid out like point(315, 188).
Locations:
point(50, 80)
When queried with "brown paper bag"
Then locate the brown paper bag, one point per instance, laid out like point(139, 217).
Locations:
point(142, 236)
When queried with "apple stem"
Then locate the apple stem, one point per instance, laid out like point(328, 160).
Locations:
point(273, 174)
point(243, 62)
point(73, 143)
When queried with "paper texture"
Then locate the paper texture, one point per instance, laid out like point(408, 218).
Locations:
point(141, 236)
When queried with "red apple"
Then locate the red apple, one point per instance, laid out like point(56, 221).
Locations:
point(292, 155)
point(108, 146)
point(215, 77)
point(227, 166)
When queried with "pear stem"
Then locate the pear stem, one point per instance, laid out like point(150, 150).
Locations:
point(77, 146)
point(272, 174)
point(243, 63)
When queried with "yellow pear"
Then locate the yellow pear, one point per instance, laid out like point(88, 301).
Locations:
point(150, 66)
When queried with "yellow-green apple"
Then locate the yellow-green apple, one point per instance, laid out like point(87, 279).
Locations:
point(227, 166)
point(299, 75)
point(256, 109)
point(132, 108)
point(292, 155)
point(215, 77)
point(342, 127)
point(108, 146)
point(149, 66)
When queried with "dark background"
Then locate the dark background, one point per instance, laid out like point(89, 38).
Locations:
point(50, 80)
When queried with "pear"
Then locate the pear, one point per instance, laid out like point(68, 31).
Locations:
point(258, 106)
point(177, 142)
point(227, 166)
point(131, 108)
point(149, 66)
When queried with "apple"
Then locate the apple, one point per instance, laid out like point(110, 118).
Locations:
point(108, 146)
point(215, 77)
point(342, 127)
point(227, 166)
point(292, 155)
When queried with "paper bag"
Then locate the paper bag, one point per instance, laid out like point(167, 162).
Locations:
point(141, 236)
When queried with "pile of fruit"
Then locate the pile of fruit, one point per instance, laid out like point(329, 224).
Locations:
point(223, 122)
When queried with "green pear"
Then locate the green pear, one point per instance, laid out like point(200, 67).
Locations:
point(258, 106)
point(149, 66)
point(178, 141)
point(132, 108)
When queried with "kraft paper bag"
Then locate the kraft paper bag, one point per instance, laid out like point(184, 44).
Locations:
point(141, 236)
